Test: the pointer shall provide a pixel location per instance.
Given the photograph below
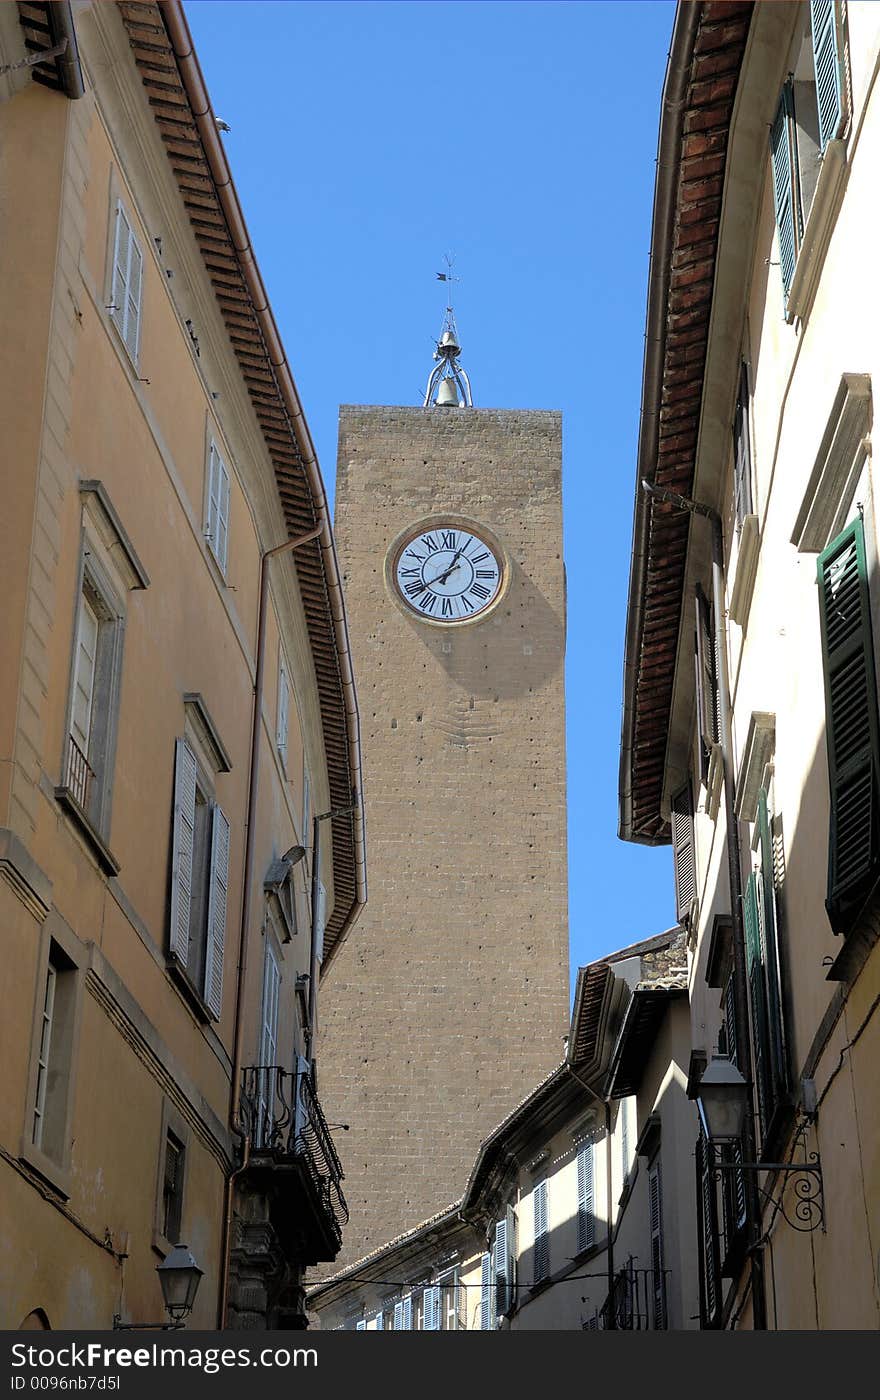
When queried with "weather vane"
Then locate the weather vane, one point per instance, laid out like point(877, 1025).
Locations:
point(448, 384)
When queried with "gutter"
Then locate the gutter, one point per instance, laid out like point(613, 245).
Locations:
point(194, 84)
point(687, 19)
point(67, 62)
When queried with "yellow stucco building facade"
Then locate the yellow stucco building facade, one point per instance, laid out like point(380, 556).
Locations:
point(165, 912)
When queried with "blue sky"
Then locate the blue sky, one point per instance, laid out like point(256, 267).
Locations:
point(368, 139)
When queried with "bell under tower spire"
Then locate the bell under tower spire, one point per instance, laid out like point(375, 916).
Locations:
point(448, 384)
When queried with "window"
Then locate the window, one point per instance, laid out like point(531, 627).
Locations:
point(199, 880)
point(283, 709)
point(733, 1183)
point(811, 113)
point(267, 1098)
point(541, 1257)
point(126, 286)
point(742, 450)
point(94, 701)
point(586, 1202)
point(172, 1187)
point(684, 853)
point(217, 505)
point(53, 1054)
point(762, 961)
point(851, 725)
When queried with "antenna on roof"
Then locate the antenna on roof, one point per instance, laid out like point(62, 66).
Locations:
point(448, 384)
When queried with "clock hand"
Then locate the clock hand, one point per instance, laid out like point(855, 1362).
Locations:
point(441, 578)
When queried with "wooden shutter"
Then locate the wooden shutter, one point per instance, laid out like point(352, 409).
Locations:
point(785, 202)
point(768, 931)
point(707, 680)
point(733, 1182)
point(655, 1193)
point(133, 299)
point(683, 848)
point(851, 726)
point(431, 1305)
point(707, 1225)
point(321, 921)
point(119, 285)
point(361, 1326)
point(502, 1268)
point(624, 1140)
point(742, 450)
point(760, 1044)
point(487, 1293)
point(219, 880)
point(283, 709)
point(182, 841)
point(826, 57)
point(84, 675)
point(223, 514)
point(541, 1260)
point(379, 1325)
point(397, 1318)
point(586, 1215)
point(406, 1313)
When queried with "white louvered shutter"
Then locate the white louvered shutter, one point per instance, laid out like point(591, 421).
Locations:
point(502, 1276)
point(624, 1137)
point(379, 1323)
point(183, 834)
point(322, 919)
point(283, 710)
point(84, 675)
point(586, 1217)
point(406, 1313)
point(219, 880)
point(361, 1326)
point(541, 1260)
point(487, 1293)
point(223, 518)
point(127, 285)
point(432, 1309)
point(397, 1318)
point(826, 57)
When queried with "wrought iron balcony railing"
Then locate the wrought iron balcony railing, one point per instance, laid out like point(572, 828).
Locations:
point(78, 777)
point(636, 1303)
point(282, 1117)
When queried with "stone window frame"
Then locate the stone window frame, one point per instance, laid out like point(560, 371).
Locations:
point(175, 1124)
point(57, 943)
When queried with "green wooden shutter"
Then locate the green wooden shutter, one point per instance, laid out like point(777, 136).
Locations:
point(826, 57)
point(851, 724)
point(683, 848)
point(770, 954)
point(760, 1042)
point(785, 200)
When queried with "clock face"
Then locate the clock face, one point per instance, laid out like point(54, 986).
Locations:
point(447, 573)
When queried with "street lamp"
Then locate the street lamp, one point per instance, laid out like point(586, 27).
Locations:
point(179, 1279)
point(723, 1103)
point(722, 1100)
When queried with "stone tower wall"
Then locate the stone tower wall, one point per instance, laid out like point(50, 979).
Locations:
point(449, 1001)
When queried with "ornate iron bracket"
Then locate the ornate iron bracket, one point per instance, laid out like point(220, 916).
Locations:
point(809, 1208)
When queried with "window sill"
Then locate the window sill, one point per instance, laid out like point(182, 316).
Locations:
point(746, 570)
point(193, 998)
point(823, 211)
point(52, 1172)
point(105, 857)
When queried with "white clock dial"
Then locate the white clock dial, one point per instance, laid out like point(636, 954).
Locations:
point(447, 573)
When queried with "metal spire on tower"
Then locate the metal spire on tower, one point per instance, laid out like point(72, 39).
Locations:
point(448, 384)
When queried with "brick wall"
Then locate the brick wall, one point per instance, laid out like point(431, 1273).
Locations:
point(450, 999)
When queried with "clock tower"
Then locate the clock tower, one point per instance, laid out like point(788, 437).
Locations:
point(449, 1001)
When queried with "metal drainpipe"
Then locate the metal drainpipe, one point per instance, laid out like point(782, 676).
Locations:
point(734, 868)
point(609, 1195)
point(243, 941)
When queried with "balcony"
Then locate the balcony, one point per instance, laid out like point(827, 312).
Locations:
point(292, 1161)
point(636, 1303)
